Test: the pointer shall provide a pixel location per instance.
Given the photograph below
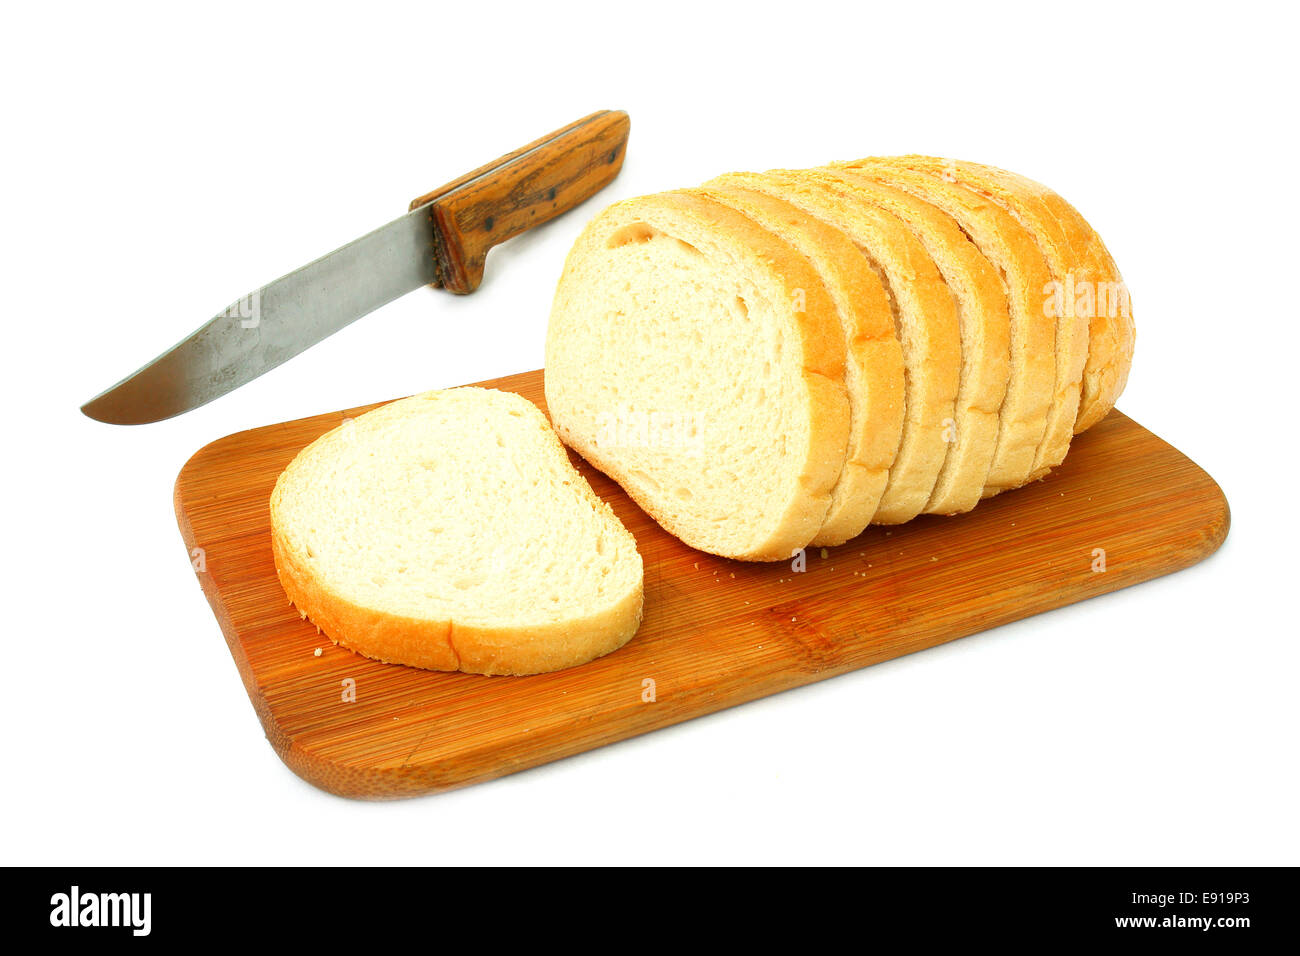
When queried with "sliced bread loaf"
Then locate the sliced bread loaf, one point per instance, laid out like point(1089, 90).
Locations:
point(1014, 252)
point(698, 360)
point(450, 531)
point(985, 336)
point(926, 322)
point(873, 371)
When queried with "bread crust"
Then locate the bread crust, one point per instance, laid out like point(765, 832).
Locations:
point(985, 336)
point(448, 645)
point(874, 359)
point(814, 331)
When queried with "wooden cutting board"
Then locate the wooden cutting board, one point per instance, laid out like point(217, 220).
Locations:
point(1125, 507)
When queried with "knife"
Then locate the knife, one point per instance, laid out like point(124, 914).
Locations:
point(442, 241)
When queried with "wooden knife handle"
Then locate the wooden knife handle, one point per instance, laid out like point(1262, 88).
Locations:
point(520, 190)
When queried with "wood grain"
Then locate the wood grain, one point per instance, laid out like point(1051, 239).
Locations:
point(716, 632)
point(520, 190)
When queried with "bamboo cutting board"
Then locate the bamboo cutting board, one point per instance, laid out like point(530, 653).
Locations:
point(1125, 507)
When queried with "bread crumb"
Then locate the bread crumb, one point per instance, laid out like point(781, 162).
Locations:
point(794, 619)
point(697, 565)
point(317, 653)
point(733, 574)
point(825, 554)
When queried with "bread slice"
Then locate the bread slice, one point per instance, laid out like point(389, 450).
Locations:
point(873, 371)
point(985, 336)
point(450, 531)
point(926, 322)
point(1026, 204)
point(1014, 252)
point(698, 360)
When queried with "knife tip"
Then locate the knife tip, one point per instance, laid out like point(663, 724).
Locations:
point(111, 413)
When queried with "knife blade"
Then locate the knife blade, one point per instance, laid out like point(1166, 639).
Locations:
point(442, 241)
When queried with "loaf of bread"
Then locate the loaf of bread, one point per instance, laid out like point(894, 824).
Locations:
point(450, 531)
point(829, 348)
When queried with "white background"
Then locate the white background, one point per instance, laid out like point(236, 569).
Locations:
point(159, 162)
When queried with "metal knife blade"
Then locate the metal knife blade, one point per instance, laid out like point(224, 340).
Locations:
point(272, 324)
point(443, 241)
